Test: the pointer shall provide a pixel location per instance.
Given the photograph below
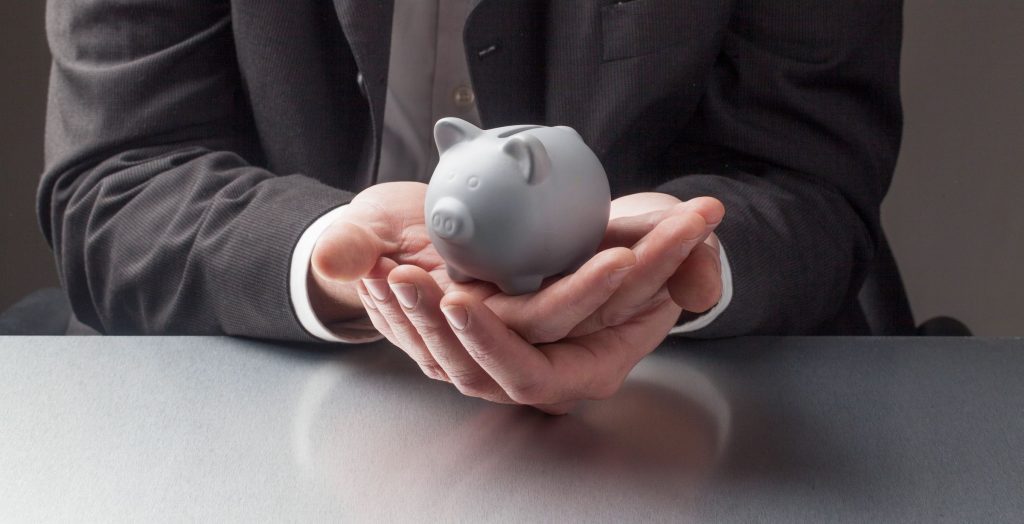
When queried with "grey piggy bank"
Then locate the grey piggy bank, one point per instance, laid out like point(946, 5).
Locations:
point(516, 204)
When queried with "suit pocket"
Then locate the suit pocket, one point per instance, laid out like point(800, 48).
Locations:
point(641, 27)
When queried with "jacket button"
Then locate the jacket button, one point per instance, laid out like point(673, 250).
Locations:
point(463, 96)
point(362, 84)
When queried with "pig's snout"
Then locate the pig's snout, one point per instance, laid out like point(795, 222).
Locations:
point(450, 220)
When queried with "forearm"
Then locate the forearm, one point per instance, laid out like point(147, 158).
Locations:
point(156, 199)
point(797, 134)
point(186, 241)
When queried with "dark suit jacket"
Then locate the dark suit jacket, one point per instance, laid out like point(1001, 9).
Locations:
point(190, 143)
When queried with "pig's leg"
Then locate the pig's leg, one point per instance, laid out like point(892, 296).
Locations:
point(521, 285)
point(457, 276)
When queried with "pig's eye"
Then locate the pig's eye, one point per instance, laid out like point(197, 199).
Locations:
point(473, 182)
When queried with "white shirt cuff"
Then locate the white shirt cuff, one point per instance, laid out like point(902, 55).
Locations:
point(354, 332)
point(709, 317)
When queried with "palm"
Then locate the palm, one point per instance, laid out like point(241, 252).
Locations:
point(577, 337)
point(395, 212)
point(397, 219)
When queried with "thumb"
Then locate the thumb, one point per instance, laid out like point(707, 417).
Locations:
point(346, 251)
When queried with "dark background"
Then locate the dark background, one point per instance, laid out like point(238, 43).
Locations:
point(954, 214)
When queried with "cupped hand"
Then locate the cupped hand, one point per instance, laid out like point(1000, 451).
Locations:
point(383, 228)
point(655, 247)
point(578, 336)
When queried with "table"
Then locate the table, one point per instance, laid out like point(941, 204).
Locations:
point(754, 429)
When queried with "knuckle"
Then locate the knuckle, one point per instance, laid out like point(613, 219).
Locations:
point(528, 393)
point(432, 370)
point(482, 351)
point(390, 319)
point(543, 332)
point(473, 384)
point(433, 334)
point(614, 317)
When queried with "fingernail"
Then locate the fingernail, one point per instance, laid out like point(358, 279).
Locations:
point(616, 277)
point(406, 294)
point(457, 316)
point(377, 287)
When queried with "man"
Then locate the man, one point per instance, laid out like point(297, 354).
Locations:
point(211, 168)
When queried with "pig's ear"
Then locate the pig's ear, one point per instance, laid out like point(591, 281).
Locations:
point(571, 130)
point(450, 131)
point(530, 156)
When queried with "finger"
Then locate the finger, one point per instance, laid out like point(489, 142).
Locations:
point(553, 377)
point(710, 208)
point(659, 255)
point(405, 335)
point(627, 229)
point(595, 366)
point(697, 284)
point(521, 370)
point(346, 251)
point(616, 350)
point(552, 312)
point(420, 297)
point(639, 203)
point(375, 317)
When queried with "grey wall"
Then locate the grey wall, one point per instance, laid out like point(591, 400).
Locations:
point(953, 215)
point(25, 261)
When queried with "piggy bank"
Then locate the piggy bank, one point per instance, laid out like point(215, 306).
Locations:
point(516, 204)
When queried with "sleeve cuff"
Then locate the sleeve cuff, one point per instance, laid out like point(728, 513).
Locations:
point(354, 332)
point(707, 318)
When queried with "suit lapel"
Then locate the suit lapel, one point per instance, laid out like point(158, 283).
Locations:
point(367, 27)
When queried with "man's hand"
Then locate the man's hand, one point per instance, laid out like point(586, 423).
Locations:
point(379, 229)
point(590, 328)
point(696, 283)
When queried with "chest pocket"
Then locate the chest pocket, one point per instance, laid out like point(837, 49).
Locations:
point(641, 27)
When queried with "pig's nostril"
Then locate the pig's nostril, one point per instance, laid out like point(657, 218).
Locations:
point(445, 225)
point(450, 220)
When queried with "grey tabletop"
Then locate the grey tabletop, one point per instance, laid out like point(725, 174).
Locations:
point(758, 429)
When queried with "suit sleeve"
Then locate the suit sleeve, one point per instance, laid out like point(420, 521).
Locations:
point(152, 199)
point(797, 134)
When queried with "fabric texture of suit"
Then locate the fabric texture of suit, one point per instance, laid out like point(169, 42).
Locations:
point(189, 144)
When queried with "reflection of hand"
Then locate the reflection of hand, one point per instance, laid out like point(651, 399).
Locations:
point(576, 338)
